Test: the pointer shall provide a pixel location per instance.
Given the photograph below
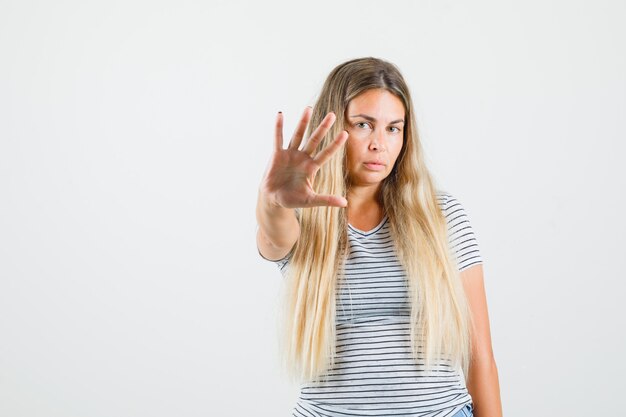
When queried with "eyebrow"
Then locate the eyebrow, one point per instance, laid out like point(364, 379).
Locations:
point(371, 119)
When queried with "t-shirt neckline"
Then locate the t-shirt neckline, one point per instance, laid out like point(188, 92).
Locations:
point(369, 232)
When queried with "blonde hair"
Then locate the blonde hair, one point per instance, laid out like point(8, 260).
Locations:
point(440, 319)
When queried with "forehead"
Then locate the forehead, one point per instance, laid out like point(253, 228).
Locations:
point(378, 103)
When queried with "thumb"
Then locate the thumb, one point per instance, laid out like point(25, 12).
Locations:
point(329, 200)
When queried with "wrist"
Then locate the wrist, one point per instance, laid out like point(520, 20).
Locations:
point(267, 200)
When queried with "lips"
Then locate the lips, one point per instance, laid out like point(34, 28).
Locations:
point(375, 166)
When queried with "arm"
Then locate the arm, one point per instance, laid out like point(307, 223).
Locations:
point(482, 381)
point(278, 228)
point(287, 185)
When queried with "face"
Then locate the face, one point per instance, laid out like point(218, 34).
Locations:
point(375, 124)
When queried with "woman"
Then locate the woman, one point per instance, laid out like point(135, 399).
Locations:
point(385, 310)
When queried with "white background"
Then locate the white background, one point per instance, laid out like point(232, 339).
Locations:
point(134, 135)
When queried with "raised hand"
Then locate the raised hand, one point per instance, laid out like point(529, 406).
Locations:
point(289, 177)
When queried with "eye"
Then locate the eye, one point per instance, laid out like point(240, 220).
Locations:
point(362, 125)
point(397, 129)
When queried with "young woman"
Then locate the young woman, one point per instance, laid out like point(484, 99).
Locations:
point(385, 309)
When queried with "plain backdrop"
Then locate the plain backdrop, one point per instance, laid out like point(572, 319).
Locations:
point(133, 138)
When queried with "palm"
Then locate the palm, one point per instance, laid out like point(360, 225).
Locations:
point(290, 178)
point(291, 172)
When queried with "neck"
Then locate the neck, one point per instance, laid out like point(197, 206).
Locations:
point(364, 199)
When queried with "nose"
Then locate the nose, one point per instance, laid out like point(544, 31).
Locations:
point(377, 141)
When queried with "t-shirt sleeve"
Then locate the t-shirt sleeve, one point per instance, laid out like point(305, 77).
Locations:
point(463, 243)
point(280, 263)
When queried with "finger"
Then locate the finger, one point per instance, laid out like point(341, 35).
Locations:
point(325, 154)
point(328, 200)
point(278, 136)
point(319, 133)
point(296, 139)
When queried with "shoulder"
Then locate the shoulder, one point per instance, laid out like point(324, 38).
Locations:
point(447, 202)
point(461, 236)
point(451, 207)
point(443, 197)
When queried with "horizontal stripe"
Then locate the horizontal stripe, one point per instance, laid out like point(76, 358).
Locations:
point(374, 373)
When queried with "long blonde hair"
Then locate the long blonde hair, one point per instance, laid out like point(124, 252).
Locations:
point(440, 319)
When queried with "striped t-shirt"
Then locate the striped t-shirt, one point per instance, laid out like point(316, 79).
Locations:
point(374, 372)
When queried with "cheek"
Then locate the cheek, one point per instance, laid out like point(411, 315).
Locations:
point(360, 134)
point(350, 151)
point(397, 150)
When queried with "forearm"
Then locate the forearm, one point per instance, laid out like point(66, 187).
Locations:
point(484, 387)
point(278, 226)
